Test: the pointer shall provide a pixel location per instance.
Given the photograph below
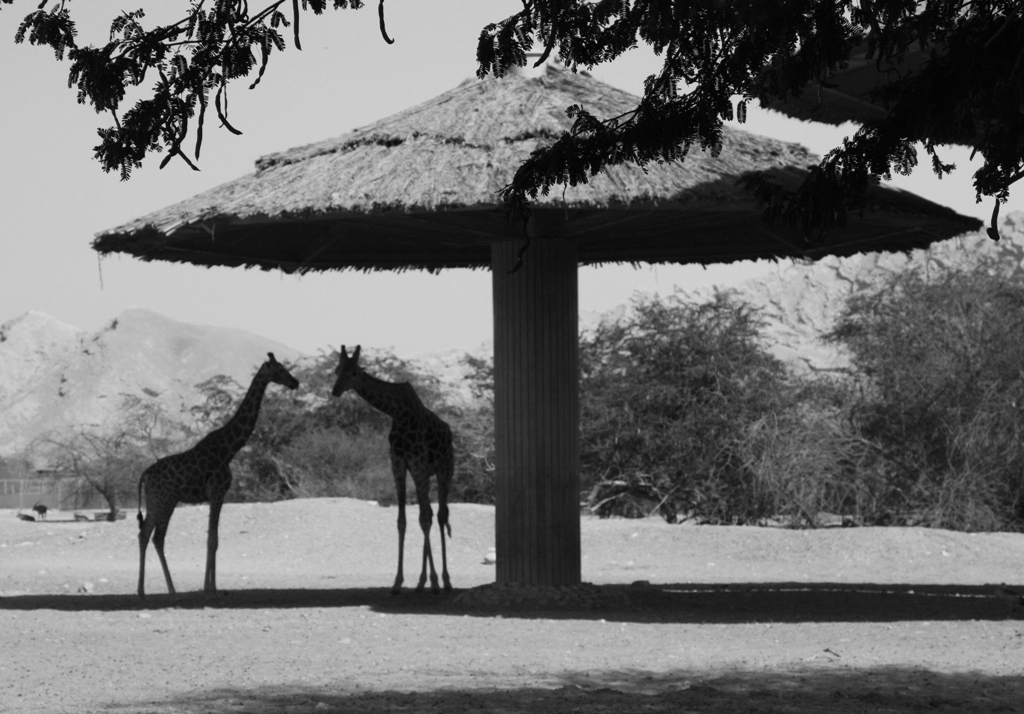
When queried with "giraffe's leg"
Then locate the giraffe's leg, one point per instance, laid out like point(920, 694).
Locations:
point(426, 520)
point(212, 541)
point(145, 531)
point(398, 471)
point(159, 531)
point(443, 479)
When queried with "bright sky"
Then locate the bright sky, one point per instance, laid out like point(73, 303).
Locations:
point(54, 198)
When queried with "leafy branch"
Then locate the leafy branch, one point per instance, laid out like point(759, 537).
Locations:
point(970, 91)
point(192, 59)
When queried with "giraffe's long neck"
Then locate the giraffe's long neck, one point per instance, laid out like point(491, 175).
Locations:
point(394, 399)
point(232, 436)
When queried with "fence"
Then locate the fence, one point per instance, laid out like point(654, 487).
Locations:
point(62, 493)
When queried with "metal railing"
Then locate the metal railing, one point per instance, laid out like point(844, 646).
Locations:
point(62, 493)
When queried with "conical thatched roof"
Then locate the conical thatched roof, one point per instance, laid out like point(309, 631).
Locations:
point(845, 95)
point(419, 189)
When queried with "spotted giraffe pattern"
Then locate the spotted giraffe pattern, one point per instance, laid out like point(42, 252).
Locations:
point(201, 475)
point(420, 444)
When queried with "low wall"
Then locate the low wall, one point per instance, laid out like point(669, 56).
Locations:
point(64, 494)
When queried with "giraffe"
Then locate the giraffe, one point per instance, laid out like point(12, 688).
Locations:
point(421, 443)
point(200, 475)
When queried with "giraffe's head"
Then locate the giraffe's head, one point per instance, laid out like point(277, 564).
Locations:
point(348, 368)
point(277, 373)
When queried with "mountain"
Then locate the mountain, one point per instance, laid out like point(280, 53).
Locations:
point(28, 344)
point(800, 301)
point(55, 376)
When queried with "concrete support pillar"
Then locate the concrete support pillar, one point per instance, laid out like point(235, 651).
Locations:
point(536, 403)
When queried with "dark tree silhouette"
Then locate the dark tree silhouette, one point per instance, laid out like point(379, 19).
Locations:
point(717, 57)
point(970, 91)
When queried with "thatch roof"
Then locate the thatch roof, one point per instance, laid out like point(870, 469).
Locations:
point(419, 190)
point(844, 95)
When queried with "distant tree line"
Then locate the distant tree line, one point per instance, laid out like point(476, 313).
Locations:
point(684, 406)
point(684, 412)
point(308, 443)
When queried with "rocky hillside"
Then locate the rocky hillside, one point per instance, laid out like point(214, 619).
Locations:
point(53, 375)
point(801, 301)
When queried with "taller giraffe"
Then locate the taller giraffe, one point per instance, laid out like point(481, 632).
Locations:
point(200, 475)
point(421, 443)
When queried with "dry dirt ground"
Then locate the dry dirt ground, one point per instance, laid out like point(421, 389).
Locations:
point(735, 620)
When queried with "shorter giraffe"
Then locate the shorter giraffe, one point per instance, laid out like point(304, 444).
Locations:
point(421, 443)
point(201, 475)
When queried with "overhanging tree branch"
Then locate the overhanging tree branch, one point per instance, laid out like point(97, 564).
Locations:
point(212, 45)
point(969, 89)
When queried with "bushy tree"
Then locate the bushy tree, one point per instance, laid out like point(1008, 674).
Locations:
point(110, 460)
point(717, 57)
point(942, 382)
point(473, 432)
point(14, 468)
point(337, 463)
point(671, 393)
point(306, 415)
point(808, 460)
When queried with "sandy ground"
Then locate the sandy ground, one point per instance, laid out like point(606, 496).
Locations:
point(735, 620)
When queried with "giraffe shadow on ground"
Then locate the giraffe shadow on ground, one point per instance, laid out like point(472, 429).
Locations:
point(665, 603)
point(896, 689)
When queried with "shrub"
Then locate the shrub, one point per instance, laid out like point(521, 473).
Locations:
point(110, 460)
point(805, 459)
point(308, 443)
point(332, 462)
point(673, 392)
point(473, 433)
point(941, 376)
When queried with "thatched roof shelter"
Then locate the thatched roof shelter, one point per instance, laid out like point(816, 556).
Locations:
point(845, 95)
point(419, 190)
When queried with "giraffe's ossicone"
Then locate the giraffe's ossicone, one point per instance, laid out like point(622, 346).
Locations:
point(201, 475)
point(420, 444)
